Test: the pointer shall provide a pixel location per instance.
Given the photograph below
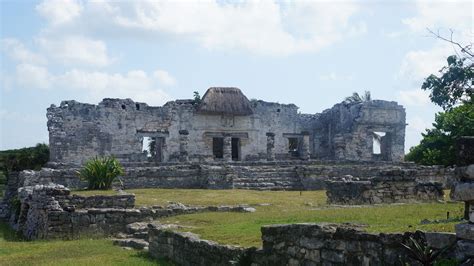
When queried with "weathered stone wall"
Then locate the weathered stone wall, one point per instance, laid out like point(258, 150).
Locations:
point(80, 131)
point(302, 244)
point(289, 175)
point(345, 132)
point(188, 249)
point(390, 186)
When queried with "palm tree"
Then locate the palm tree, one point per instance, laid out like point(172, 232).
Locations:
point(356, 98)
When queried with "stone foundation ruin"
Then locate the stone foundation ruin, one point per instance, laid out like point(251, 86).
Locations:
point(225, 141)
point(392, 186)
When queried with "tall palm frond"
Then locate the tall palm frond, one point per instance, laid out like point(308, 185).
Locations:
point(356, 98)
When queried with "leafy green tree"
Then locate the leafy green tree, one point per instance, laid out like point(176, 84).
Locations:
point(454, 85)
point(25, 158)
point(437, 145)
point(453, 91)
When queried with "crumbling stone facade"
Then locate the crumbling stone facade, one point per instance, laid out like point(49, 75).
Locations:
point(223, 126)
point(391, 186)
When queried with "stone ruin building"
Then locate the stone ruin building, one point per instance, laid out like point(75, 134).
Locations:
point(224, 126)
point(225, 141)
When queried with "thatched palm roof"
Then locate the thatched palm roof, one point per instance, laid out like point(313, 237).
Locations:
point(224, 100)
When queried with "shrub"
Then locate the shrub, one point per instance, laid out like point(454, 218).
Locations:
point(101, 172)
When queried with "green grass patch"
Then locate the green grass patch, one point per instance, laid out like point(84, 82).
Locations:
point(287, 207)
point(15, 251)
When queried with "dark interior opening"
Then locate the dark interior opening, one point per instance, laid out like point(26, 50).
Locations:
point(293, 146)
point(123, 106)
point(235, 149)
point(218, 147)
point(137, 106)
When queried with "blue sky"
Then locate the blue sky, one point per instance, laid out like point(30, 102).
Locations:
point(311, 53)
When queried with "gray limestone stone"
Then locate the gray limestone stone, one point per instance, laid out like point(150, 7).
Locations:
point(465, 231)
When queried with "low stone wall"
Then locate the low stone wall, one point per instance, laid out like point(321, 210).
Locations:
point(391, 186)
point(49, 211)
point(303, 244)
point(188, 249)
point(98, 201)
point(281, 175)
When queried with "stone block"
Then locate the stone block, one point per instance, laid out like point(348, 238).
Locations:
point(465, 231)
point(313, 255)
point(333, 255)
point(440, 240)
point(466, 173)
point(463, 192)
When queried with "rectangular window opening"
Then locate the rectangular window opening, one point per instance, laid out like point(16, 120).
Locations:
point(377, 142)
point(149, 146)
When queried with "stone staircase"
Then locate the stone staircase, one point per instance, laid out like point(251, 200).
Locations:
point(266, 178)
point(136, 236)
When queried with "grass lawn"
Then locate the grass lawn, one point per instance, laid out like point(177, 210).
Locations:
point(277, 207)
point(15, 251)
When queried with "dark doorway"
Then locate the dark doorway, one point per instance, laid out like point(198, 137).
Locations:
point(235, 149)
point(218, 147)
point(293, 147)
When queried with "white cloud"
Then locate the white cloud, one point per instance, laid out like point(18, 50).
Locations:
point(419, 64)
point(418, 124)
point(33, 76)
point(334, 76)
point(261, 27)
point(415, 97)
point(75, 50)
point(164, 77)
point(58, 12)
point(18, 52)
point(437, 16)
point(94, 85)
point(453, 14)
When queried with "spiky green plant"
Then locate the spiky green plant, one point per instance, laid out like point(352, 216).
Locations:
point(101, 172)
point(423, 253)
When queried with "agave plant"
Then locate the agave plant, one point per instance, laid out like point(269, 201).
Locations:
point(100, 173)
point(423, 253)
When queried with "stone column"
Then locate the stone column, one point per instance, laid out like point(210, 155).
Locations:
point(305, 154)
point(270, 146)
point(183, 145)
point(339, 147)
point(227, 148)
point(464, 191)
